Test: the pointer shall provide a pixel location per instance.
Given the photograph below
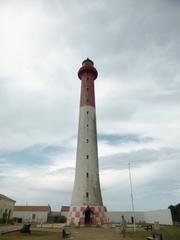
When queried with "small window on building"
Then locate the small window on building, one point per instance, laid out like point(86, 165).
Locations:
point(33, 216)
point(87, 112)
point(87, 89)
point(87, 100)
point(87, 156)
point(87, 125)
point(87, 194)
point(87, 140)
point(87, 174)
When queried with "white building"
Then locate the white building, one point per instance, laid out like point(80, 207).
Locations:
point(33, 214)
point(6, 208)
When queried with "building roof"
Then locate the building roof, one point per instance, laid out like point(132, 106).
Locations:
point(6, 198)
point(32, 208)
point(65, 209)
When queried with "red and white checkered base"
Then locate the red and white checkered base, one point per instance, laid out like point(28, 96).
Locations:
point(76, 215)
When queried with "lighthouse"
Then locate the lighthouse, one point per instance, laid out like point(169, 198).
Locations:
point(87, 205)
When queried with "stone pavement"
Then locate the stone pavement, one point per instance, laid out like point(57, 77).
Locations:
point(9, 228)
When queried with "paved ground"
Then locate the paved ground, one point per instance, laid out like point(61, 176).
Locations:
point(8, 228)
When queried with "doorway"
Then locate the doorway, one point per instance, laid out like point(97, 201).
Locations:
point(87, 216)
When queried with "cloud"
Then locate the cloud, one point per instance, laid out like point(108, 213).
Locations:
point(34, 155)
point(155, 180)
point(114, 139)
point(139, 157)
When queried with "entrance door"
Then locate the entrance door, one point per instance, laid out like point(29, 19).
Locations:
point(87, 216)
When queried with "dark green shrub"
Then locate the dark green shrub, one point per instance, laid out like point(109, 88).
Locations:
point(62, 219)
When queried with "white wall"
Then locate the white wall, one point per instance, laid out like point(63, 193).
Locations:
point(162, 216)
point(40, 217)
point(116, 216)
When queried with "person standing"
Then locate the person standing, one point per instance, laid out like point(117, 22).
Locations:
point(123, 226)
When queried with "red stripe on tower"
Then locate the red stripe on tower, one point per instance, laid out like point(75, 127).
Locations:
point(87, 74)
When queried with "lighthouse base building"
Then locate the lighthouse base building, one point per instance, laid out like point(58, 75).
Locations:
point(87, 205)
point(87, 215)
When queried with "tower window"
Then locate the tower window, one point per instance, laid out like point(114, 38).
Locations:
point(87, 174)
point(87, 89)
point(87, 156)
point(87, 140)
point(87, 100)
point(87, 112)
point(87, 194)
point(87, 125)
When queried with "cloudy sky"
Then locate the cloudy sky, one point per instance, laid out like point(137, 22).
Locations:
point(135, 45)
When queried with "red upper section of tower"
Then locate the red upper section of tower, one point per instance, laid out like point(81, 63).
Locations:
point(87, 73)
point(87, 67)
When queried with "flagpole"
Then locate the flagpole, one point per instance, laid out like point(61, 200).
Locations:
point(132, 201)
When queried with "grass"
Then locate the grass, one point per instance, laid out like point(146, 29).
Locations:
point(168, 233)
point(33, 235)
point(90, 233)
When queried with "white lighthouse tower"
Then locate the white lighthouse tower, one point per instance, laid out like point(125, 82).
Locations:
point(86, 205)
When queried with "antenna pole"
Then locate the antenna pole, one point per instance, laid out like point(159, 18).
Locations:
point(132, 201)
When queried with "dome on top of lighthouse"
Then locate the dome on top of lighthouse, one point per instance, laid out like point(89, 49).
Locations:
point(88, 61)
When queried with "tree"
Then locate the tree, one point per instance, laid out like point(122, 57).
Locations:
point(175, 211)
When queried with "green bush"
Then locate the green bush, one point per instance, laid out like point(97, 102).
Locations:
point(62, 219)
